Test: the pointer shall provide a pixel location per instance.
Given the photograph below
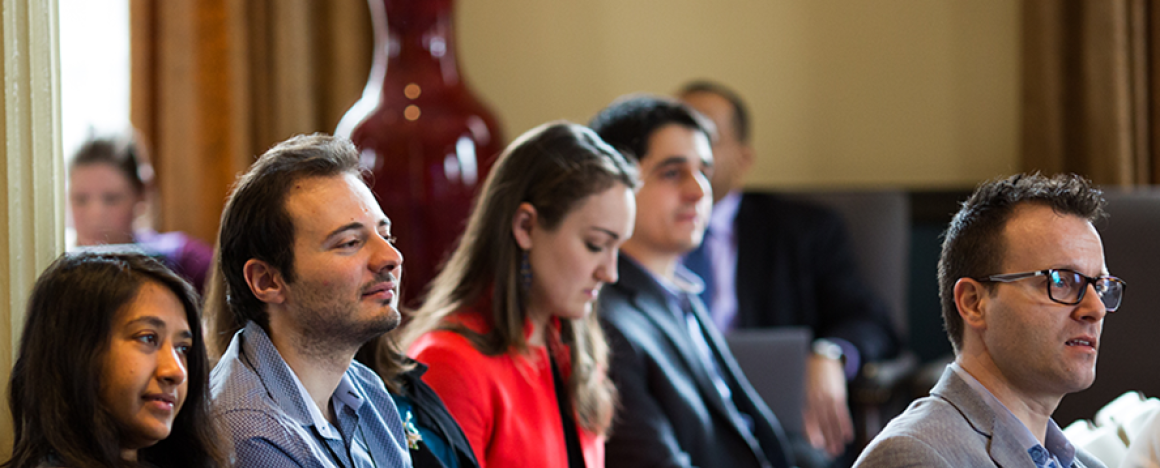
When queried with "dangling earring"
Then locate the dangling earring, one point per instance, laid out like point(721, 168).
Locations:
point(525, 272)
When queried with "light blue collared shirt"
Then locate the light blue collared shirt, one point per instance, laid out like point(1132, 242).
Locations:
point(272, 421)
point(1058, 447)
point(344, 396)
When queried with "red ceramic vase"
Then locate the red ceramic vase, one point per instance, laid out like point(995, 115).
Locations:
point(428, 142)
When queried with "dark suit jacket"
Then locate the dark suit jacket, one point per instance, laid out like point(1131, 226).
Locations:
point(795, 266)
point(671, 415)
point(952, 427)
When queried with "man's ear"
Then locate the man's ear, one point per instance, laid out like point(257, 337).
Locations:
point(973, 300)
point(522, 224)
point(265, 281)
point(745, 159)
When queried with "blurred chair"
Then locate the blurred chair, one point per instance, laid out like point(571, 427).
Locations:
point(878, 223)
point(774, 362)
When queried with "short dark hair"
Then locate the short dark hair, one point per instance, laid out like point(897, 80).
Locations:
point(740, 111)
point(54, 387)
point(256, 224)
point(974, 245)
point(629, 122)
point(119, 153)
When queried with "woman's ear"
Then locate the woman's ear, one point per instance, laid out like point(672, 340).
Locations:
point(522, 224)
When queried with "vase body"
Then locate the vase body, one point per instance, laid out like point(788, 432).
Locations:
point(428, 142)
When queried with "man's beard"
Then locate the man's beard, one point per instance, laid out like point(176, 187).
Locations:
point(330, 326)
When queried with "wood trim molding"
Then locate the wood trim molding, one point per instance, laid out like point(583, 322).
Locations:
point(32, 174)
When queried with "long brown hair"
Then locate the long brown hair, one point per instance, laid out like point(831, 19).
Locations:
point(554, 167)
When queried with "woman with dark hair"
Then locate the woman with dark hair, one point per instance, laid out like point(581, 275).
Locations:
point(507, 328)
point(112, 370)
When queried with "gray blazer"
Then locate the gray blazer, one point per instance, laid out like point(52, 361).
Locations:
point(952, 427)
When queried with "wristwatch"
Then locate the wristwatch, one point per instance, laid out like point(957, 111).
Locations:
point(828, 349)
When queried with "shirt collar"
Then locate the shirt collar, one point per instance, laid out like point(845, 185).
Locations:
point(287, 390)
point(1056, 442)
point(346, 395)
point(685, 282)
point(724, 211)
point(317, 419)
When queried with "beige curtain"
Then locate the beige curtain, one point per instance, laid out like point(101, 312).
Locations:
point(1090, 89)
point(217, 82)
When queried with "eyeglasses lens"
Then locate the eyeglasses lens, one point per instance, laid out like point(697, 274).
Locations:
point(1068, 287)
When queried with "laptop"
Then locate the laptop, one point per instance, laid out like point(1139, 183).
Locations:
point(774, 361)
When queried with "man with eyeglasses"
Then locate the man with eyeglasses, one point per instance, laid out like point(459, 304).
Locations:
point(1024, 293)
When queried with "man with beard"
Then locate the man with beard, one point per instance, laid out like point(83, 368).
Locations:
point(309, 265)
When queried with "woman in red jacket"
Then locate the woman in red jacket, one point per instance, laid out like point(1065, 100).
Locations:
point(507, 329)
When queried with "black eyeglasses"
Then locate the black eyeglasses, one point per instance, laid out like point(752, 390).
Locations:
point(1068, 286)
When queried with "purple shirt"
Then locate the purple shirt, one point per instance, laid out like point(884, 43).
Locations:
point(720, 246)
point(187, 256)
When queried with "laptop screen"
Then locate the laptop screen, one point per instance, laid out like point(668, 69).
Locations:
point(774, 361)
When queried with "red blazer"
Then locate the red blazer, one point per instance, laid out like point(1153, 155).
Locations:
point(505, 404)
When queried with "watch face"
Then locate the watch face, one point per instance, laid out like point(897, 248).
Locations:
point(827, 349)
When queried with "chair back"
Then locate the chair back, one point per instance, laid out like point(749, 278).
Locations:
point(878, 222)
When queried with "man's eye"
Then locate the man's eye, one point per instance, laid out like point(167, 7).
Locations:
point(1061, 280)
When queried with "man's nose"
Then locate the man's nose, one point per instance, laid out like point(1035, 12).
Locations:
point(1092, 306)
point(696, 187)
point(387, 257)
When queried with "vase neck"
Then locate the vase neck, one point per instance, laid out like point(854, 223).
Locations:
point(415, 41)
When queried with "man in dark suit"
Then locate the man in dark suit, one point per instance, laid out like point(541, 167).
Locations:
point(768, 261)
point(1024, 291)
point(684, 401)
